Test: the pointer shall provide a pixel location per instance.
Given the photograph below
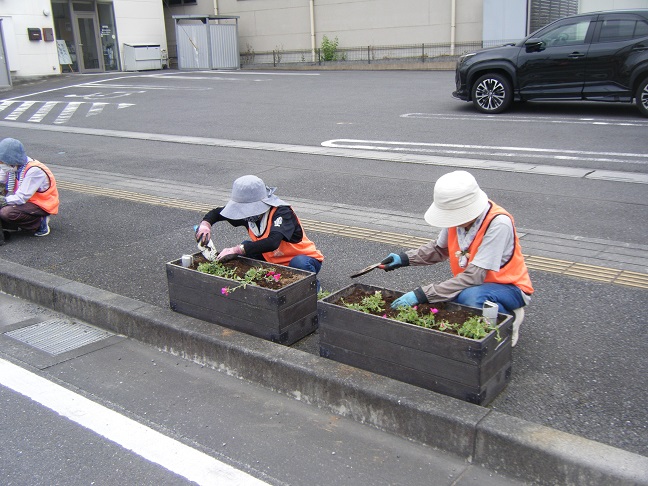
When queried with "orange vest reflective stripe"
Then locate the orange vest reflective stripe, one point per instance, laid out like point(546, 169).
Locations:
point(287, 251)
point(47, 200)
point(514, 271)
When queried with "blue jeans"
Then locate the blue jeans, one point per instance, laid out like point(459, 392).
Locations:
point(506, 296)
point(303, 262)
point(310, 264)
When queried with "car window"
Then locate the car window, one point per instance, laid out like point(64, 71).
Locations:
point(566, 34)
point(622, 29)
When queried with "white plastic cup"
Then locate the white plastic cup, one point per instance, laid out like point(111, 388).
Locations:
point(187, 261)
point(489, 311)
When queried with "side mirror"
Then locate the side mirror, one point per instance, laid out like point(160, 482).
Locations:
point(534, 44)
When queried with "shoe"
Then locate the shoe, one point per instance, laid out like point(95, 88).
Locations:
point(519, 317)
point(44, 228)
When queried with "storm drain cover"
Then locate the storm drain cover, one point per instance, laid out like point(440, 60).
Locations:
point(57, 336)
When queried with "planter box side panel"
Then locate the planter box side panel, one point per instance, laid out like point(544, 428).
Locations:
point(441, 343)
point(479, 395)
point(429, 362)
point(263, 297)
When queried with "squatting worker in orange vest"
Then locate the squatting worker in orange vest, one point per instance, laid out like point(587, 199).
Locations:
point(480, 241)
point(276, 234)
point(28, 194)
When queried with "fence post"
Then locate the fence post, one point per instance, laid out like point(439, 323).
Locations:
point(423, 52)
point(368, 54)
point(274, 59)
point(319, 56)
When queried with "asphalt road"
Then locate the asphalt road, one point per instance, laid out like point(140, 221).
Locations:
point(580, 364)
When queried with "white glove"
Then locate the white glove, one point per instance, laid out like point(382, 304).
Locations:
point(209, 251)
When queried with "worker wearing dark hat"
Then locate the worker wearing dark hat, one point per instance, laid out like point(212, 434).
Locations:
point(29, 195)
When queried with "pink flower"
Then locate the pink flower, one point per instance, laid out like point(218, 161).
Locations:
point(225, 291)
point(276, 276)
point(385, 316)
point(270, 272)
point(434, 310)
point(415, 307)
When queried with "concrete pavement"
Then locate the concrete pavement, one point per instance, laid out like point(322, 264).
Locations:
point(481, 436)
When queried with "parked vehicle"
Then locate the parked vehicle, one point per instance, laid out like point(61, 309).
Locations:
point(598, 56)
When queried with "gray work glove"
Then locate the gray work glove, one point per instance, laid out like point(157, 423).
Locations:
point(3, 201)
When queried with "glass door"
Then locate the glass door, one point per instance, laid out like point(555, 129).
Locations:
point(89, 56)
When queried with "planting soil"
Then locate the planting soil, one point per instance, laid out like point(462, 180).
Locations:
point(444, 311)
point(286, 276)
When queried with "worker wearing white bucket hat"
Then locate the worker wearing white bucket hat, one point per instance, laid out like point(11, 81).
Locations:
point(478, 238)
point(276, 234)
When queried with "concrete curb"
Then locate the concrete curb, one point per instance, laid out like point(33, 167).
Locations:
point(499, 442)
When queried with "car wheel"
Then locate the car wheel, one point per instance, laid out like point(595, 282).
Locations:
point(492, 93)
point(641, 97)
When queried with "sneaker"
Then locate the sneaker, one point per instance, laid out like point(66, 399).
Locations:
point(519, 317)
point(44, 228)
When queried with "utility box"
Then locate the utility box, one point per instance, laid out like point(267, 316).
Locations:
point(142, 57)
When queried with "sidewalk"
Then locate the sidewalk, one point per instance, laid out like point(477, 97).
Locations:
point(480, 436)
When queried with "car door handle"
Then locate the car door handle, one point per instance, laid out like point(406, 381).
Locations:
point(640, 47)
point(576, 55)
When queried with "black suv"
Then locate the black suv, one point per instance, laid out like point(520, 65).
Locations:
point(598, 56)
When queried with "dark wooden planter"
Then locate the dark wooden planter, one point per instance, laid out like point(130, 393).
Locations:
point(282, 316)
point(472, 370)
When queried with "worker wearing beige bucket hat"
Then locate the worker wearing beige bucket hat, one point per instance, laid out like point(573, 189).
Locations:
point(276, 234)
point(479, 240)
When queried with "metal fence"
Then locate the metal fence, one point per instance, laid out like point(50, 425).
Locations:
point(414, 53)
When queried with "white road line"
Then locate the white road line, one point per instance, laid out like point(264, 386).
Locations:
point(404, 158)
point(145, 442)
point(486, 150)
point(529, 119)
point(43, 111)
point(24, 106)
point(67, 113)
point(96, 109)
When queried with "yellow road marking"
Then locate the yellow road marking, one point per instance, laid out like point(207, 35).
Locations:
point(564, 267)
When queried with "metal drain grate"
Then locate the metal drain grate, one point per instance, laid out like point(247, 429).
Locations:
point(57, 336)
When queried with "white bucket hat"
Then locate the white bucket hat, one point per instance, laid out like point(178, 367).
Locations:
point(250, 197)
point(457, 200)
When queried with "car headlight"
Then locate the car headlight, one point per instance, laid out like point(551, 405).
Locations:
point(465, 57)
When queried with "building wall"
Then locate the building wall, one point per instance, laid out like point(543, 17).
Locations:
point(286, 24)
point(26, 57)
point(137, 22)
point(595, 5)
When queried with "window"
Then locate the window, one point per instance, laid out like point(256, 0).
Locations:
point(566, 34)
point(622, 29)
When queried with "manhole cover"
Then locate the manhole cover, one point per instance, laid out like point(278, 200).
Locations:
point(57, 336)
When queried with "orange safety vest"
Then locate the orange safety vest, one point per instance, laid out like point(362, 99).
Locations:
point(514, 271)
point(287, 251)
point(47, 200)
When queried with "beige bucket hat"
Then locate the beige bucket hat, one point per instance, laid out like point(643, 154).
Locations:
point(457, 200)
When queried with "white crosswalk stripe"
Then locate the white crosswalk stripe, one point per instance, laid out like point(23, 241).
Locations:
point(14, 110)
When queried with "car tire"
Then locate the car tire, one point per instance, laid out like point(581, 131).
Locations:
point(641, 97)
point(492, 93)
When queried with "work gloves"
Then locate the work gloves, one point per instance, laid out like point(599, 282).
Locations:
point(406, 300)
point(392, 262)
point(230, 253)
point(3, 201)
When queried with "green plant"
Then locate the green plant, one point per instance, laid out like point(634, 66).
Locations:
point(329, 49)
point(477, 327)
point(322, 294)
point(369, 304)
point(412, 315)
point(252, 277)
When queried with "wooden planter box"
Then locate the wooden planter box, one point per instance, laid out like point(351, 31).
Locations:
point(472, 370)
point(282, 316)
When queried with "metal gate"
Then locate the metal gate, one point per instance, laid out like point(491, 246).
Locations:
point(207, 42)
